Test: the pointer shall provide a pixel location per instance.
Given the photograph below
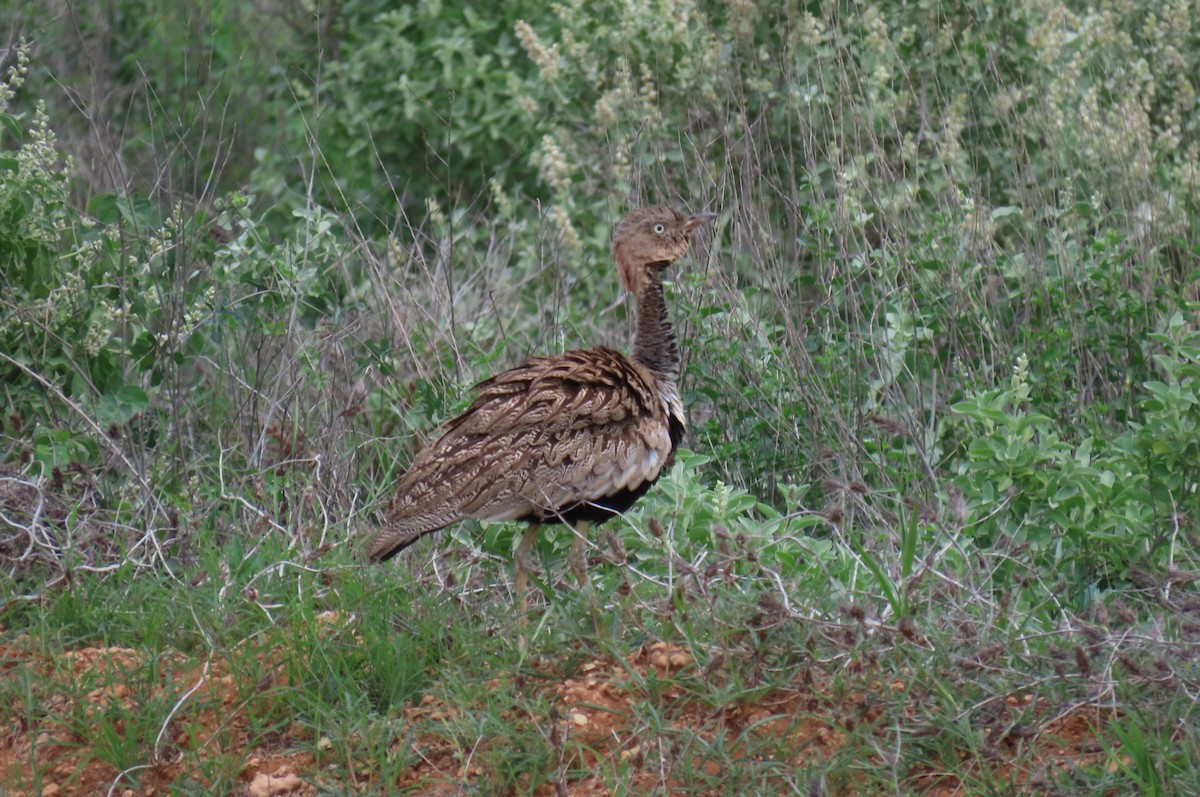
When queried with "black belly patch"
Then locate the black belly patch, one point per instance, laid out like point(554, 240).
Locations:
point(607, 506)
point(676, 429)
point(596, 511)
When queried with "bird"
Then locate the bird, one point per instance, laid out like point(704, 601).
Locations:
point(572, 438)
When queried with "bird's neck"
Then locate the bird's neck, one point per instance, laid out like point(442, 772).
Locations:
point(654, 346)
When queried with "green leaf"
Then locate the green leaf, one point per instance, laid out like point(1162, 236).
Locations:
point(886, 586)
point(1083, 454)
point(972, 409)
point(1160, 389)
point(109, 412)
point(134, 397)
point(908, 544)
point(981, 449)
point(1032, 420)
point(104, 208)
point(10, 123)
point(119, 408)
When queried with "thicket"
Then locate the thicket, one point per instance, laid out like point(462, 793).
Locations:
point(947, 315)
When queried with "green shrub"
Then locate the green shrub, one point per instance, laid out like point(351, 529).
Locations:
point(418, 102)
point(1088, 506)
point(910, 200)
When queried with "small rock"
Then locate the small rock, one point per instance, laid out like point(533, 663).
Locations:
point(579, 719)
point(51, 790)
point(281, 782)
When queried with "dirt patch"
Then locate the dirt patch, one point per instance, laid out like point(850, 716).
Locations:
point(594, 719)
point(67, 745)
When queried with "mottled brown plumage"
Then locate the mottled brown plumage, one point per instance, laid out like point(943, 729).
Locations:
point(576, 437)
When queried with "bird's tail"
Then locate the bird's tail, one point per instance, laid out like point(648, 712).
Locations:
point(393, 539)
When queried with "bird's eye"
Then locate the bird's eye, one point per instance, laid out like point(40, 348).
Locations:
point(659, 229)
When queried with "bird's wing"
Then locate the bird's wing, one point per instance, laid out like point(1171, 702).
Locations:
point(552, 433)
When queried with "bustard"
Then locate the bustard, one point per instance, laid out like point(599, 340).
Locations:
point(572, 438)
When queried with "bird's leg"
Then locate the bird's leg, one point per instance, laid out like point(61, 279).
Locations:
point(522, 564)
point(578, 556)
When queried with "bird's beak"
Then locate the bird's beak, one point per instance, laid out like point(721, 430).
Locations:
point(696, 220)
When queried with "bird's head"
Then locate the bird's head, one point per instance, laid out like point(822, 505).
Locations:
point(648, 239)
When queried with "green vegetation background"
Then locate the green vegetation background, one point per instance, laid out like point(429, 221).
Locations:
point(941, 358)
